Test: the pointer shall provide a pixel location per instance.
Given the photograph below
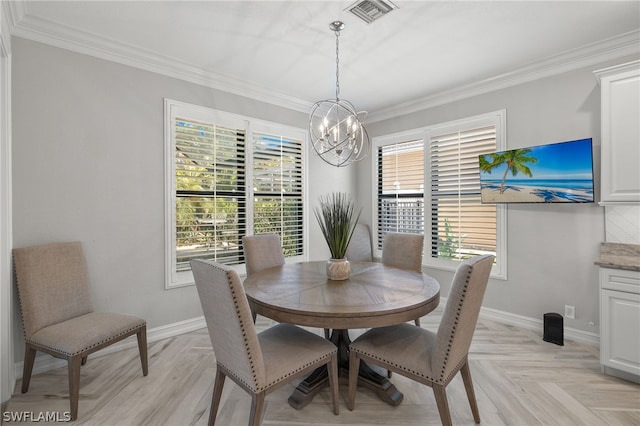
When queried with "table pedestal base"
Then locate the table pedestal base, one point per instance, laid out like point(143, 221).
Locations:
point(316, 381)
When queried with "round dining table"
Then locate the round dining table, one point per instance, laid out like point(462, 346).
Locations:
point(374, 295)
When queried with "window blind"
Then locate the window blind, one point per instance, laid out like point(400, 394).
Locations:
point(278, 189)
point(210, 192)
point(400, 188)
point(461, 226)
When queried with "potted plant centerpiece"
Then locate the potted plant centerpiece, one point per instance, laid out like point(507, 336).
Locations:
point(337, 219)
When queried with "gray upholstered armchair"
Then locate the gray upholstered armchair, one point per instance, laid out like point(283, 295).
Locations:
point(430, 358)
point(360, 249)
point(58, 319)
point(258, 362)
point(403, 251)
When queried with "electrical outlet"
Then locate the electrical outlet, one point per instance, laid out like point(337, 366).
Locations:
point(569, 311)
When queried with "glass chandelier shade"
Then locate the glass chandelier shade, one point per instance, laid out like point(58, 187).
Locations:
point(335, 127)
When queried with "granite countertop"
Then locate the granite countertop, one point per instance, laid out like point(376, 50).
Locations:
point(619, 256)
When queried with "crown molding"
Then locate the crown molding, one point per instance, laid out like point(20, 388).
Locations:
point(617, 47)
point(54, 34)
point(10, 14)
point(47, 32)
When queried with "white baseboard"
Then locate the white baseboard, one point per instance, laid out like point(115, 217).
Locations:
point(46, 362)
point(535, 324)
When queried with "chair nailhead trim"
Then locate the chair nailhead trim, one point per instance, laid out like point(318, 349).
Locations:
point(453, 329)
point(88, 347)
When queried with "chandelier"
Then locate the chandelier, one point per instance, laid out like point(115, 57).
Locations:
point(335, 127)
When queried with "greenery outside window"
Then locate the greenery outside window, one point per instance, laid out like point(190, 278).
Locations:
point(228, 176)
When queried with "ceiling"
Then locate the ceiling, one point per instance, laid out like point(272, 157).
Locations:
point(284, 51)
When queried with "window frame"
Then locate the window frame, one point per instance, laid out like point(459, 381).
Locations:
point(173, 109)
point(497, 118)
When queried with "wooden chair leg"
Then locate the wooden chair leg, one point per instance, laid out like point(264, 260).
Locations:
point(217, 394)
point(327, 333)
point(257, 409)
point(84, 360)
point(443, 405)
point(471, 395)
point(254, 316)
point(142, 348)
point(354, 367)
point(417, 321)
point(27, 368)
point(332, 368)
point(74, 384)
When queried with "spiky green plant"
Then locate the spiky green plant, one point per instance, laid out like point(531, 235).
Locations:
point(337, 219)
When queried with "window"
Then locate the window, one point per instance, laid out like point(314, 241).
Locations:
point(228, 176)
point(443, 159)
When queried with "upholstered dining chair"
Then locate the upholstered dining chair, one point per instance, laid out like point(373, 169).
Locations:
point(403, 251)
point(359, 249)
point(57, 315)
point(431, 358)
point(258, 362)
point(261, 252)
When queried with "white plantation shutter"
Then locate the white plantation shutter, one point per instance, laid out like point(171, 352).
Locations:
point(210, 192)
point(400, 188)
point(461, 226)
point(278, 189)
point(227, 176)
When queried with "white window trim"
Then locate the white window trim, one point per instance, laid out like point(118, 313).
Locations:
point(499, 270)
point(174, 279)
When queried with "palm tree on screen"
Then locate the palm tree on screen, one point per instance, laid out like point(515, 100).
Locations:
point(515, 160)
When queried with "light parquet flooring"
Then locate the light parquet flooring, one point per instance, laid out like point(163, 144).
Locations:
point(519, 380)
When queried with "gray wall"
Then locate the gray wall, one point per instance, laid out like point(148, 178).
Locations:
point(551, 247)
point(88, 165)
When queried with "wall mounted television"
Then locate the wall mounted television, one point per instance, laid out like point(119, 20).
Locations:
point(554, 173)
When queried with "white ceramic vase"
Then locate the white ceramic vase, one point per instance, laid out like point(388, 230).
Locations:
point(338, 269)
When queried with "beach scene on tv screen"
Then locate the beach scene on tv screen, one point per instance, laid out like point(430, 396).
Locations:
point(554, 173)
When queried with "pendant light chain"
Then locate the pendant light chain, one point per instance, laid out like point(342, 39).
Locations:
point(337, 65)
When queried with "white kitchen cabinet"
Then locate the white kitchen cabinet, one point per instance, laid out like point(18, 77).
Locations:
point(620, 139)
point(620, 321)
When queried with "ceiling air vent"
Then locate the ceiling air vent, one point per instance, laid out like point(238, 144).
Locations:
point(371, 10)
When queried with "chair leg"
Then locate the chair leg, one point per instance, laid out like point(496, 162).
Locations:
point(27, 368)
point(84, 360)
point(417, 321)
point(217, 394)
point(257, 409)
point(74, 384)
point(254, 316)
point(354, 367)
point(332, 366)
point(443, 405)
point(142, 348)
point(327, 333)
point(471, 395)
